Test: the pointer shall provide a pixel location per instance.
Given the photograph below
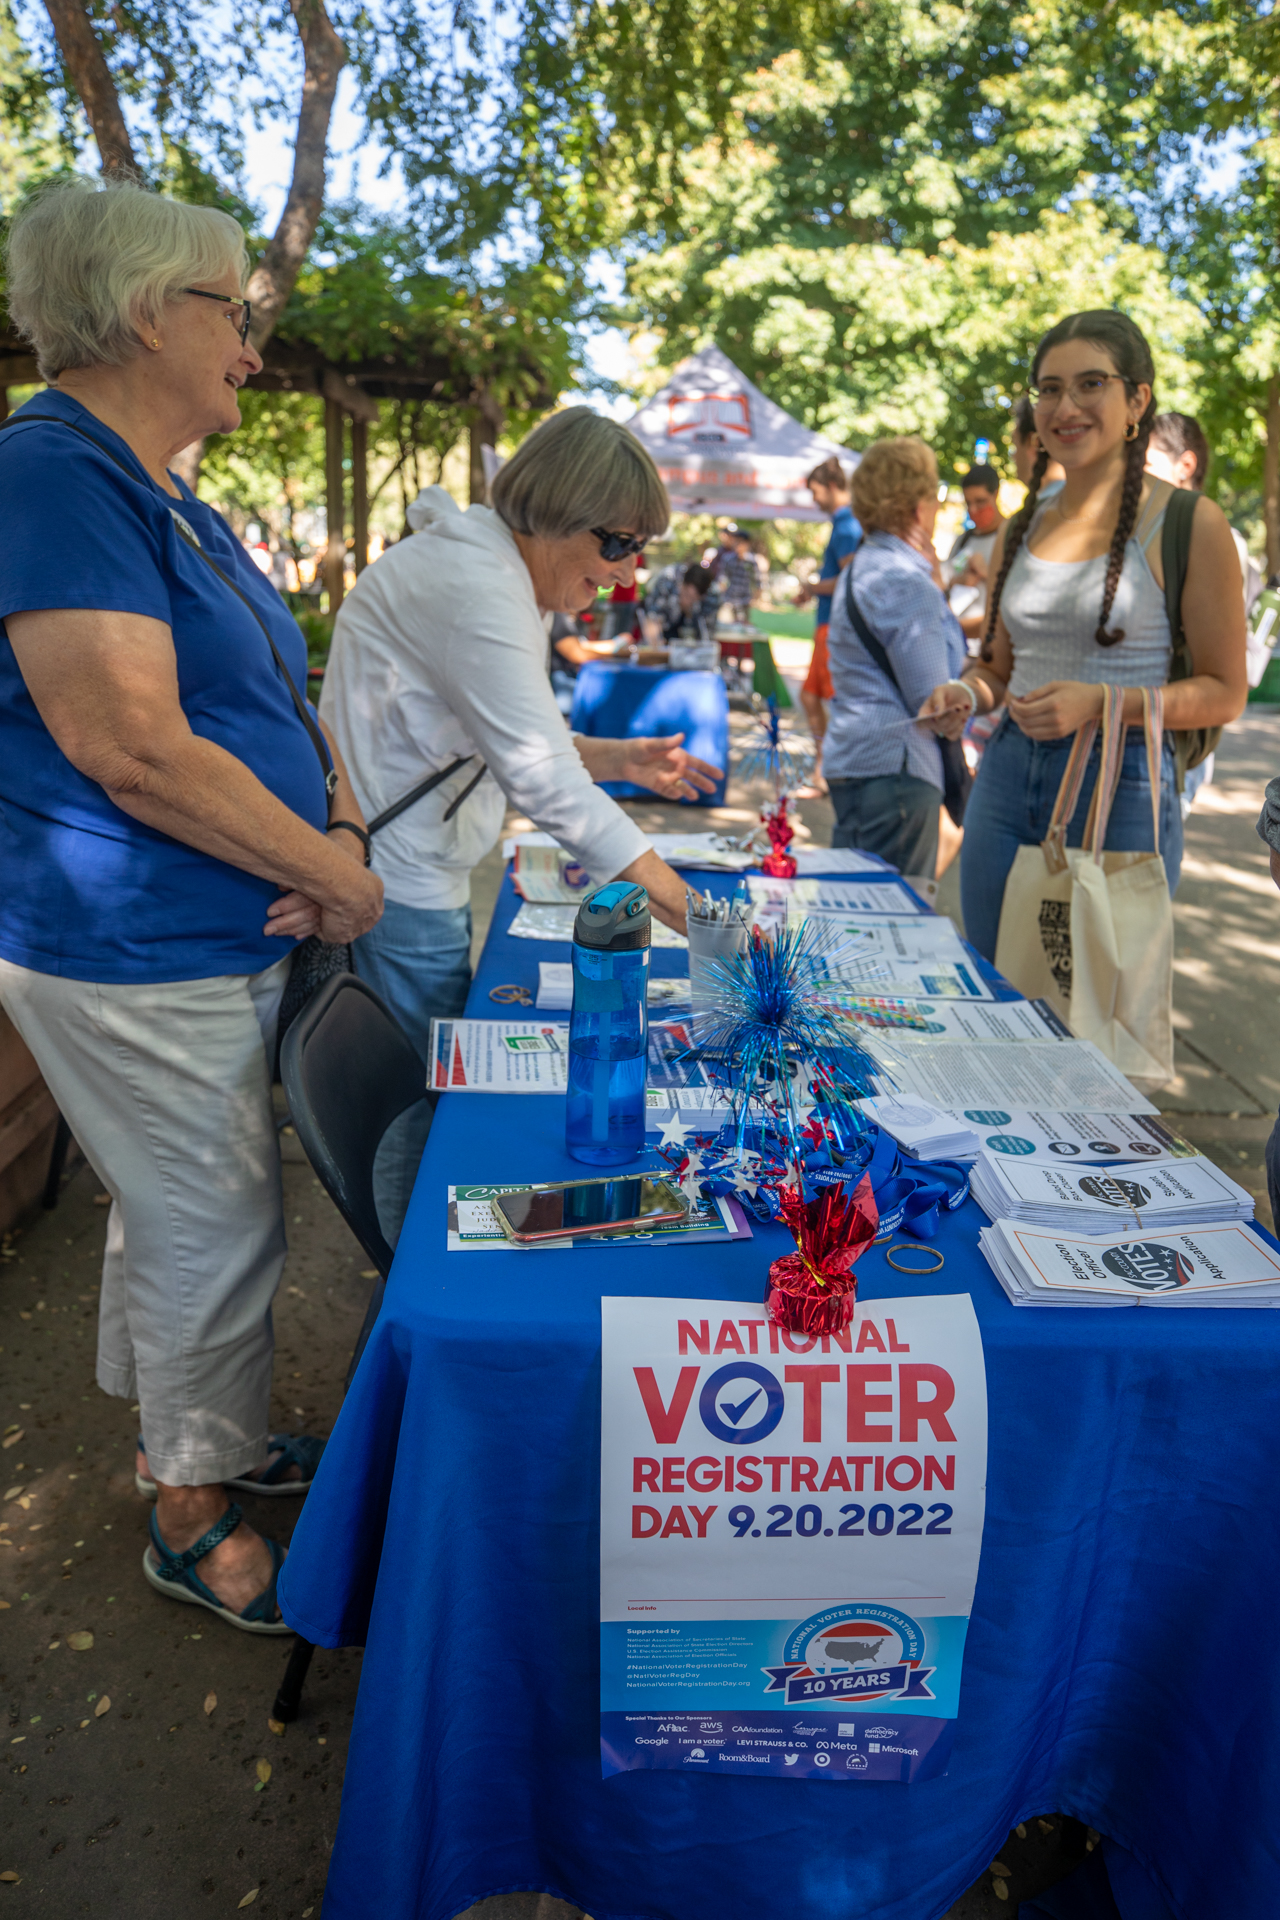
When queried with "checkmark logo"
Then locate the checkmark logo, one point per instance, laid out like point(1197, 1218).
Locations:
point(735, 1413)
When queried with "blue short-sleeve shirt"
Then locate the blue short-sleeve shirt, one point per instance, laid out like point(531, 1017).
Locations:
point(846, 538)
point(88, 892)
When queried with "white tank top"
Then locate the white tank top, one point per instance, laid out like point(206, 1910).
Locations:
point(1051, 610)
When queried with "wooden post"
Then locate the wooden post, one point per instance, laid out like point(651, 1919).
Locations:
point(478, 488)
point(335, 505)
point(1271, 476)
point(360, 491)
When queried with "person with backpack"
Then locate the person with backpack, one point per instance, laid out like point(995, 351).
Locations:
point(1079, 602)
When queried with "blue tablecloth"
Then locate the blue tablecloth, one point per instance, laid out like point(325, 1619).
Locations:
point(618, 703)
point(1117, 1665)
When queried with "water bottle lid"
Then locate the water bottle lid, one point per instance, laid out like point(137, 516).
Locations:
point(616, 916)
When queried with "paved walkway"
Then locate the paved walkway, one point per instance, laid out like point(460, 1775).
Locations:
point(156, 1803)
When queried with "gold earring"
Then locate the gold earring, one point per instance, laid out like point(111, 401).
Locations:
point(155, 343)
point(1131, 431)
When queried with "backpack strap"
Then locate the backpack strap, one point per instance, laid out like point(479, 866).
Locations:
point(1191, 745)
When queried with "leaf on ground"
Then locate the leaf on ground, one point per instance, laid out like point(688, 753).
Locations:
point(368, 1273)
point(11, 1877)
point(1021, 1831)
point(999, 1867)
point(249, 1898)
point(103, 1706)
point(102, 1199)
point(275, 1726)
point(80, 1642)
point(1045, 1826)
point(1001, 1889)
point(13, 1493)
point(12, 1439)
point(264, 1771)
point(210, 1702)
point(5, 1605)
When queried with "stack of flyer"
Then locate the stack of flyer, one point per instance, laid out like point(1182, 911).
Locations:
point(1216, 1266)
point(1189, 1193)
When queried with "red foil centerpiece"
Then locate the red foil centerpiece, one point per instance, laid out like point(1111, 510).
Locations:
point(814, 1289)
point(779, 861)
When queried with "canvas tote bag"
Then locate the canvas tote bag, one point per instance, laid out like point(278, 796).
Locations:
point(1092, 932)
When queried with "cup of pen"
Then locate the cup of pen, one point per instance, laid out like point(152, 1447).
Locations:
point(718, 929)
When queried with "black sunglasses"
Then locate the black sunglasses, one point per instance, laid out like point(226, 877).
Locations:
point(224, 300)
point(616, 546)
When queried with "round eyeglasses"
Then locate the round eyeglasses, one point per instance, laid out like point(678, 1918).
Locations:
point(1083, 389)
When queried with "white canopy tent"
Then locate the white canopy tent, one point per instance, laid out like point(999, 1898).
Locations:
point(722, 447)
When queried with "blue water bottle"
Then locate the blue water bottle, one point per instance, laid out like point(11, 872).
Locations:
point(609, 1026)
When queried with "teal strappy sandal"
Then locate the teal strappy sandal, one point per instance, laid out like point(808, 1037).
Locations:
point(173, 1574)
point(295, 1450)
point(300, 1450)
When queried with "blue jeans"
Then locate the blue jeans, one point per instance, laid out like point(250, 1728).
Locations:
point(892, 814)
point(1011, 804)
point(417, 959)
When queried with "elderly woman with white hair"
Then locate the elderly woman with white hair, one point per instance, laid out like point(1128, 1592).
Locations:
point(172, 817)
point(439, 668)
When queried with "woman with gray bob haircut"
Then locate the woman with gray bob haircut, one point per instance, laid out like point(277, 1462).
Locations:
point(172, 819)
point(439, 666)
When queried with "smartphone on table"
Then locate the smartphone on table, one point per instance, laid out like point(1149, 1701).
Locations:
point(567, 1210)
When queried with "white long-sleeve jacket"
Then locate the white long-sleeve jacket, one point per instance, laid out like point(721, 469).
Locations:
point(440, 651)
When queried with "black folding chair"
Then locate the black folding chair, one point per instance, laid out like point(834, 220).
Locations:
point(349, 1072)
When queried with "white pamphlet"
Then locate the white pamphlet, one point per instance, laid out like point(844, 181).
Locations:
point(1048, 1138)
point(556, 923)
point(955, 1074)
point(801, 897)
point(948, 1019)
point(499, 1056)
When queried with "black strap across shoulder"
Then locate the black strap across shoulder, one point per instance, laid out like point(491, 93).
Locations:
point(188, 537)
point(956, 777)
point(1191, 745)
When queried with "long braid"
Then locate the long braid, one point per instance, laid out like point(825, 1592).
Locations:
point(1013, 540)
point(1130, 494)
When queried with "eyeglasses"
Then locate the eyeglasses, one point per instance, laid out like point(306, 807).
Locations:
point(616, 546)
point(225, 300)
point(1085, 387)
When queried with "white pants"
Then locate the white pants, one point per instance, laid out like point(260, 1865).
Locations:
point(167, 1088)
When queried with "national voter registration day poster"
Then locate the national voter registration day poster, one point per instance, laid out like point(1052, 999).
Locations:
point(790, 1530)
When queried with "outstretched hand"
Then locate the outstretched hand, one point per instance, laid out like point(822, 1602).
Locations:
point(946, 710)
point(662, 765)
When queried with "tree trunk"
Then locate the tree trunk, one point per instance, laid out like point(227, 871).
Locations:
point(325, 56)
point(486, 427)
point(91, 77)
point(360, 491)
point(1271, 477)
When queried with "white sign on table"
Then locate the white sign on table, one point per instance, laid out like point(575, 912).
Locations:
point(499, 1056)
point(789, 1537)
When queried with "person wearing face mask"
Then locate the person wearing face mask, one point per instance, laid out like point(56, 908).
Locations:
point(1077, 603)
point(429, 675)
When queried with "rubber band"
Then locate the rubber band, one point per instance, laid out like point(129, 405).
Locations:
point(898, 1267)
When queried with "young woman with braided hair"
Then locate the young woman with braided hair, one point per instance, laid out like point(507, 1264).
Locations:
point(1078, 603)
